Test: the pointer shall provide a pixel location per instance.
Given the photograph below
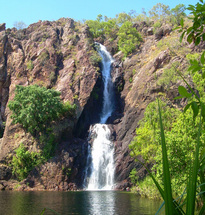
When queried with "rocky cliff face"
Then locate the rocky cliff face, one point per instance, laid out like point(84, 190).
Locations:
point(137, 84)
point(60, 54)
point(51, 54)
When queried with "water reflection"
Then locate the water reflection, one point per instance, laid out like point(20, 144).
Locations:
point(102, 202)
point(81, 203)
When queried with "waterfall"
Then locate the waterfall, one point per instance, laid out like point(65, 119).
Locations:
point(100, 161)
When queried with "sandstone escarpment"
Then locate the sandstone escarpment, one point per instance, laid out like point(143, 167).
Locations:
point(60, 55)
point(50, 54)
point(137, 81)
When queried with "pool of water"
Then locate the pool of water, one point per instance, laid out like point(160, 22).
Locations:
point(82, 202)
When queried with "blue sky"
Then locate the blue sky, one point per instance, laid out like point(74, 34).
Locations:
point(12, 11)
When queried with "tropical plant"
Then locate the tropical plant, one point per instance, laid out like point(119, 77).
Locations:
point(159, 12)
point(24, 161)
point(36, 107)
point(178, 13)
point(128, 37)
point(196, 174)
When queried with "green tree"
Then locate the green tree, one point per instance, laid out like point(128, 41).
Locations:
point(121, 18)
point(178, 13)
point(160, 12)
point(35, 107)
point(146, 141)
point(110, 28)
point(128, 37)
point(180, 131)
point(96, 27)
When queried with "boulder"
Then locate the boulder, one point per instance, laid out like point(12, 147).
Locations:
point(163, 31)
point(150, 31)
point(5, 172)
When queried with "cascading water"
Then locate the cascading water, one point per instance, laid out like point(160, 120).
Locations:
point(100, 155)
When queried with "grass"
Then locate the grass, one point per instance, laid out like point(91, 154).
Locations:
point(187, 201)
point(172, 206)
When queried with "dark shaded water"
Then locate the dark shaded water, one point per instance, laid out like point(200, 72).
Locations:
point(85, 202)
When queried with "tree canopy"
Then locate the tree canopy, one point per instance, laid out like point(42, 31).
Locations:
point(36, 107)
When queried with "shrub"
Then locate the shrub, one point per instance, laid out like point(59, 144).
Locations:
point(95, 58)
point(36, 107)
point(181, 132)
point(24, 161)
point(129, 38)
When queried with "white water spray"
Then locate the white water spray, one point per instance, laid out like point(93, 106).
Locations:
point(102, 150)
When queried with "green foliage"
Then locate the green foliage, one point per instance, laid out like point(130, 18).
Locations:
point(178, 13)
point(169, 77)
point(133, 176)
point(36, 107)
point(181, 132)
point(95, 27)
point(30, 65)
point(195, 33)
point(146, 188)
point(159, 11)
point(100, 28)
point(68, 109)
point(121, 18)
point(110, 28)
point(95, 58)
point(24, 161)
point(128, 37)
point(157, 25)
point(146, 141)
point(48, 139)
point(192, 57)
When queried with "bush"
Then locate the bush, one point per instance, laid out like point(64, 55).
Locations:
point(128, 37)
point(95, 58)
point(36, 107)
point(24, 161)
point(181, 132)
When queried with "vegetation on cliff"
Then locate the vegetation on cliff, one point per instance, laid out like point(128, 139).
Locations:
point(122, 28)
point(178, 166)
point(35, 109)
point(60, 55)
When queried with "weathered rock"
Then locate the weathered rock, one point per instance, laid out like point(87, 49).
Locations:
point(150, 31)
point(140, 25)
point(50, 54)
point(64, 171)
point(3, 27)
point(163, 31)
point(5, 172)
point(159, 34)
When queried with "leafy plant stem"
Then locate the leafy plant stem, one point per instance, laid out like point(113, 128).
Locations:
point(191, 190)
point(166, 174)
